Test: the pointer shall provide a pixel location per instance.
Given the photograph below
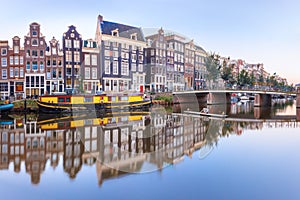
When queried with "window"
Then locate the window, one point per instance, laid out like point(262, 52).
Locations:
point(16, 60)
point(37, 81)
point(61, 99)
point(133, 36)
point(27, 65)
point(53, 62)
point(21, 60)
point(48, 74)
point(21, 72)
point(16, 49)
point(4, 62)
point(76, 44)
point(3, 52)
point(17, 72)
point(87, 59)
point(53, 50)
point(59, 73)
point(76, 70)
point(28, 53)
point(4, 73)
point(140, 68)
point(42, 66)
point(34, 42)
point(34, 33)
point(69, 70)
point(59, 63)
point(94, 73)
point(11, 60)
point(133, 67)
point(41, 53)
point(34, 65)
point(68, 43)
point(124, 69)
point(88, 99)
point(115, 33)
point(115, 67)
point(76, 56)
point(48, 62)
point(11, 73)
point(87, 73)
point(107, 67)
point(53, 73)
point(34, 53)
point(94, 60)
point(68, 56)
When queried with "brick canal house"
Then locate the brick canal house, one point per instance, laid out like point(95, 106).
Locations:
point(72, 50)
point(35, 47)
point(122, 56)
point(54, 68)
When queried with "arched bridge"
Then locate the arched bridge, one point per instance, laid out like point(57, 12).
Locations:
point(261, 98)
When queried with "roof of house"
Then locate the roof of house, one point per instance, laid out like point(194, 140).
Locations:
point(125, 31)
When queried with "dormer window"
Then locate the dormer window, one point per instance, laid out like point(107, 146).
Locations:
point(133, 36)
point(3, 52)
point(16, 49)
point(34, 42)
point(115, 32)
point(34, 33)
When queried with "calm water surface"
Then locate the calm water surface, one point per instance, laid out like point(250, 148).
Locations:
point(252, 154)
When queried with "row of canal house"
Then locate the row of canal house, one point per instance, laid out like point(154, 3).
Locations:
point(119, 58)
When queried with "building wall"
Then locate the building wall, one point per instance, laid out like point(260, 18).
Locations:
point(72, 49)
point(17, 69)
point(91, 66)
point(4, 69)
point(54, 68)
point(35, 48)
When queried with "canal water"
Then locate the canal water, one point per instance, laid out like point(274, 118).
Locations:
point(164, 154)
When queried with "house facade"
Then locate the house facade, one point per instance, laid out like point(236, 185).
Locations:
point(72, 54)
point(91, 66)
point(54, 68)
point(4, 83)
point(122, 56)
point(35, 47)
point(16, 69)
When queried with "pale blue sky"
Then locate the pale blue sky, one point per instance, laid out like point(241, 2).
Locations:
point(257, 31)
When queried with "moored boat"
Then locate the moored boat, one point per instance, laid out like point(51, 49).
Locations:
point(6, 107)
point(104, 102)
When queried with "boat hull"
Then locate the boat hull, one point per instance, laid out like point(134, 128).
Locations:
point(6, 107)
point(94, 107)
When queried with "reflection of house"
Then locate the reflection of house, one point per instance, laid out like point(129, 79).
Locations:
point(73, 149)
point(35, 151)
point(12, 144)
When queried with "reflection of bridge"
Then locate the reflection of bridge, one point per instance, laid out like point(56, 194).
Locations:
point(261, 98)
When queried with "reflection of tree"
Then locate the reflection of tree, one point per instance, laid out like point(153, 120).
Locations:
point(214, 131)
point(227, 128)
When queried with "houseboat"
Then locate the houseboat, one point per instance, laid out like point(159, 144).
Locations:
point(105, 102)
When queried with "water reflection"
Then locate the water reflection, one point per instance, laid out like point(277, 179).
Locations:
point(123, 143)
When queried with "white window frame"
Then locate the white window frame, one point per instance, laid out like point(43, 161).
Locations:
point(94, 73)
point(87, 59)
point(4, 71)
point(94, 60)
point(4, 62)
point(87, 73)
